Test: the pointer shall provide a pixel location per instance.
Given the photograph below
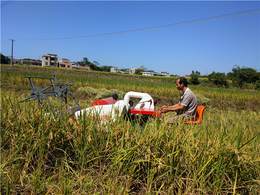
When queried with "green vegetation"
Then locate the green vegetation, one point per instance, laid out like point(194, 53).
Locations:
point(240, 76)
point(5, 59)
point(43, 155)
point(218, 79)
point(194, 80)
point(243, 78)
point(95, 65)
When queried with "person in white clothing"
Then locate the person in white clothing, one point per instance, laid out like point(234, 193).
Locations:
point(187, 105)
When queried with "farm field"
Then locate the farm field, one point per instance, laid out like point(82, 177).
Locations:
point(44, 155)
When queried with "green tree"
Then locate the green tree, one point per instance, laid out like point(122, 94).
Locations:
point(96, 63)
point(5, 59)
point(94, 67)
point(105, 68)
point(257, 85)
point(143, 68)
point(194, 79)
point(85, 60)
point(218, 78)
point(197, 72)
point(139, 71)
point(240, 76)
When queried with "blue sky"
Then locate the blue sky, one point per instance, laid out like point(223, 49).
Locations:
point(212, 45)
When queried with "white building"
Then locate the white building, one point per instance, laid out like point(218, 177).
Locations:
point(116, 70)
point(166, 74)
point(148, 73)
point(132, 70)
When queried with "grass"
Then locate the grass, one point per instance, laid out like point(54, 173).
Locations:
point(159, 86)
point(44, 155)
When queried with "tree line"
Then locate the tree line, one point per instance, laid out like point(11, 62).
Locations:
point(95, 65)
point(240, 77)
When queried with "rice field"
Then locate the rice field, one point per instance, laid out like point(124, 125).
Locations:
point(44, 155)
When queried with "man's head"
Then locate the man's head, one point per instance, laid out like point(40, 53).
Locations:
point(181, 83)
point(183, 80)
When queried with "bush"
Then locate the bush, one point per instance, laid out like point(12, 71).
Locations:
point(250, 86)
point(257, 85)
point(218, 79)
point(240, 76)
point(5, 59)
point(194, 79)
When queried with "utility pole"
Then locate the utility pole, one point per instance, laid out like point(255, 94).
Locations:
point(12, 53)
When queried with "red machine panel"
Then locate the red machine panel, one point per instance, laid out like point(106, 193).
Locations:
point(105, 101)
point(143, 111)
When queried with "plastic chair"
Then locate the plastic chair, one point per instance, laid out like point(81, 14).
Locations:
point(198, 117)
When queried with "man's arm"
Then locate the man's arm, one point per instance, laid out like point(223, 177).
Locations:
point(175, 107)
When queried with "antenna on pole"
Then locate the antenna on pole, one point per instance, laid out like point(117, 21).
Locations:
point(12, 53)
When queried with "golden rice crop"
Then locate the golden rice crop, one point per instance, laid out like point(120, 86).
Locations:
point(44, 155)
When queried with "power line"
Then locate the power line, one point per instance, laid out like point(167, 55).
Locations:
point(5, 41)
point(154, 28)
point(6, 3)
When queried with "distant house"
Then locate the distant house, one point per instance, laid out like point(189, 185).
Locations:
point(81, 65)
point(125, 70)
point(187, 75)
point(16, 61)
point(28, 62)
point(157, 74)
point(132, 70)
point(148, 73)
point(36, 62)
point(31, 62)
point(166, 74)
point(65, 63)
point(115, 70)
point(50, 60)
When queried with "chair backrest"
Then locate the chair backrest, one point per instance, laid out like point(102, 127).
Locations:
point(199, 112)
point(198, 116)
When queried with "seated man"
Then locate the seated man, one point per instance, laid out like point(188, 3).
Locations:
point(187, 106)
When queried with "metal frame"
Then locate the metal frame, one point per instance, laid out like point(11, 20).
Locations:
point(58, 90)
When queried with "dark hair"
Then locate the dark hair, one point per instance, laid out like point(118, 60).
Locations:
point(115, 96)
point(184, 81)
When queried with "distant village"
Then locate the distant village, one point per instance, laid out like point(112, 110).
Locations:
point(51, 60)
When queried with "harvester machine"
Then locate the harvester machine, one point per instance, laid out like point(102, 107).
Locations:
point(105, 110)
